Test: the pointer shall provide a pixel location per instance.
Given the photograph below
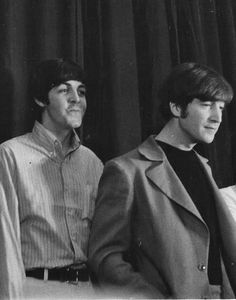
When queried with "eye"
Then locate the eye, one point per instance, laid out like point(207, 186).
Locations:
point(221, 105)
point(81, 91)
point(64, 90)
point(207, 104)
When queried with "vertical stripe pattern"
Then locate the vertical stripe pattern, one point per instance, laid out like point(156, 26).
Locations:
point(55, 195)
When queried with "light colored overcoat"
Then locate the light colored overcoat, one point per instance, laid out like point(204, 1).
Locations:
point(148, 239)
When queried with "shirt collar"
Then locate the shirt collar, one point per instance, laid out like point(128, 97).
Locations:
point(49, 140)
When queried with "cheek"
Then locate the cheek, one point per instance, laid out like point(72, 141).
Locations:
point(84, 105)
point(197, 120)
point(57, 110)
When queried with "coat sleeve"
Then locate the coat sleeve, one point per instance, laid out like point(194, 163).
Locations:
point(11, 264)
point(111, 237)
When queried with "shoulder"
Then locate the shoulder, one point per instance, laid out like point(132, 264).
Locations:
point(16, 144)
point(89, 157)
point(140, 157)
point(86, 152)
point(126, 166)
point(11, 153)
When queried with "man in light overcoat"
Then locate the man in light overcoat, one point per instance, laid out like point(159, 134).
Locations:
point(161, 228)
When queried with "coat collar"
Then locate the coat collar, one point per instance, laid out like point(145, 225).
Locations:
point(150, 149)
point(163, 176)
point(226, 221)
point(49, 141)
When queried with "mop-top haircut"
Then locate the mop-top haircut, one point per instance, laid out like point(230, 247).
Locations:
point(51, 73)
point(188, 81)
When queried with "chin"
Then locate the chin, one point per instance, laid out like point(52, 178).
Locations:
point(208, 140)
point(205, 139)
point(75, 124)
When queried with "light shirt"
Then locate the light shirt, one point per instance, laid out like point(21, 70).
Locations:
point(55, 195)
point(12, 273)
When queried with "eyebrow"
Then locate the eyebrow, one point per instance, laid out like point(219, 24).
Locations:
point(82, 85)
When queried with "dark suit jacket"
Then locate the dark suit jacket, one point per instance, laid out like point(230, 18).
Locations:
point(148, 239)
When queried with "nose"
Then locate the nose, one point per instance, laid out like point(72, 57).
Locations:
point(216, 113)
point(74, 96)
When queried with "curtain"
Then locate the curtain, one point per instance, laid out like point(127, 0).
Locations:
point(127, 47)
point(32, 30)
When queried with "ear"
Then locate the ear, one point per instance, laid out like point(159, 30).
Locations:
point(41, 104)
point(175, 109)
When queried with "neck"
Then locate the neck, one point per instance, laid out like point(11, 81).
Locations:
point(173, 135)
point(62, 135)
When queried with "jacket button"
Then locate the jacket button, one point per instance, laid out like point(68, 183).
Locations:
point(232, 263)
point(139, 243)
point(201, 267)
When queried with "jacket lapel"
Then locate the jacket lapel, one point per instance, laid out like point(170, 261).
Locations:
point(226, 220)
point(163, 176)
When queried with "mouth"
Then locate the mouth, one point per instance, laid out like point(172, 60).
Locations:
point(74, 110)
point(211, 128)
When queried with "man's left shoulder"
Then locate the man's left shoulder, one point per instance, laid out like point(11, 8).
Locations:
point(87, 154)
point(86, 151)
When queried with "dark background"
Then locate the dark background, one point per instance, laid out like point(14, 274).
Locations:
point(127, 48)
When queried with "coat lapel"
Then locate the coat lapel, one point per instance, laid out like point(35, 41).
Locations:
point(226, 220)
point(163, 176)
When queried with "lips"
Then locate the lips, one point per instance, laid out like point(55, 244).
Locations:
point(211, 128)
point(74, 110)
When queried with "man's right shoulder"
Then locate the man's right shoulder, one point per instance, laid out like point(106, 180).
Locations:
point(128, 162)
point(16, 142)
point(140, 158)
point(135, 154)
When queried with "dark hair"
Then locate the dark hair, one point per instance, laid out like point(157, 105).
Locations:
point(50, 73)
point(192, 80)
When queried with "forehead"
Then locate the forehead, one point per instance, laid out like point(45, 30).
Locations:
point(199, 101)
point(73, 83)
